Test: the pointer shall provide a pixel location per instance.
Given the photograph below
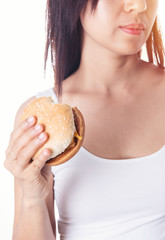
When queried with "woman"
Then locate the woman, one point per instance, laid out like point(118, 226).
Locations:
point(114, 188)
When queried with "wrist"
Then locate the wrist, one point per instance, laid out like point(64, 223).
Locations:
point(30, 203)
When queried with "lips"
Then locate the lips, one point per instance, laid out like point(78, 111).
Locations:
point(134, 28)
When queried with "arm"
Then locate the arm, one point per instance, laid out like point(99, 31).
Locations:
point(34, 202)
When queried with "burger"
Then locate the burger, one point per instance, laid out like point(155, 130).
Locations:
point(64, 125)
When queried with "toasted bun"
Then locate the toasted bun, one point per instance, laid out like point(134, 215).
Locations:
point(62, 123)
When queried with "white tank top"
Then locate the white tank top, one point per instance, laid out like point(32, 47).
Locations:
point(109, 199)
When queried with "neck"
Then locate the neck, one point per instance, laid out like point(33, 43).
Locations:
point(104, 71)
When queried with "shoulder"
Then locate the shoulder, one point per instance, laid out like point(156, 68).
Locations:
point(158, 73)
point(21, 109)
point(153, 75)
point(153, 83)
point(157, 76)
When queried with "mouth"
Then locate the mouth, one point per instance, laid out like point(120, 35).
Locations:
point(134, 28)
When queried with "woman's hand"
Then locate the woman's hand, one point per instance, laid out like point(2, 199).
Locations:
point(32, 176)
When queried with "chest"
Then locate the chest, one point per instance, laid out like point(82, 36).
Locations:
point(115, 130)
point(125, 127)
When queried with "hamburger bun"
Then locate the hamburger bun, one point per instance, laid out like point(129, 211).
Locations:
point(64, 125)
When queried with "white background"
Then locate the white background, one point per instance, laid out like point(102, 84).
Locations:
point(22, 25)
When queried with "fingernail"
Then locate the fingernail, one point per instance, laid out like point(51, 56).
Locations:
point(30, 119)
point(42, 136)
point(37, 127)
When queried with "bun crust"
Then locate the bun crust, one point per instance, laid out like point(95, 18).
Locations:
point(61, 122)
point(76, 143)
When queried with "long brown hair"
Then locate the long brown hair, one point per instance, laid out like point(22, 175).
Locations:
point(63, 38)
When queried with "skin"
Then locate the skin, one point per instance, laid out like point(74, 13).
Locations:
point(33, 182)
point(107, 49)
point(114, 85)
point(125, 93)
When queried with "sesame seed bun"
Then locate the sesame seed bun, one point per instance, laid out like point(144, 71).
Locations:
point(64, 125)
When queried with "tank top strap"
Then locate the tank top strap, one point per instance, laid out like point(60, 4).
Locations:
point(48, 93)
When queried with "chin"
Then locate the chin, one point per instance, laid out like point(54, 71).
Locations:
point(129, 49)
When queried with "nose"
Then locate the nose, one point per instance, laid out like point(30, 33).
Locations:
point(137, 6)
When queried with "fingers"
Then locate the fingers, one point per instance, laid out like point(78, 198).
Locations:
point(20, 144)
point(29, 150)
point(22, 167)
point(25, 141)
point(20, 130)
point(39, 163)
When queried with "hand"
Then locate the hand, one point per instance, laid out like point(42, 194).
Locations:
point(32, 176)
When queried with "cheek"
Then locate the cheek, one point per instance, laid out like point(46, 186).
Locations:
point(101, 25)
point(152, 11)
point(151, 16)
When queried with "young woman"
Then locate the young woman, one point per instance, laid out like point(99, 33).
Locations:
point(114, 188)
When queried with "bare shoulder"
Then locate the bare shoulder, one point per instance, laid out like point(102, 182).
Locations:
point(21, 109)
point(154, 75)
point(158, 75)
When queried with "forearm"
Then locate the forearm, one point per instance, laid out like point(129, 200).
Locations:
point(34, 222)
